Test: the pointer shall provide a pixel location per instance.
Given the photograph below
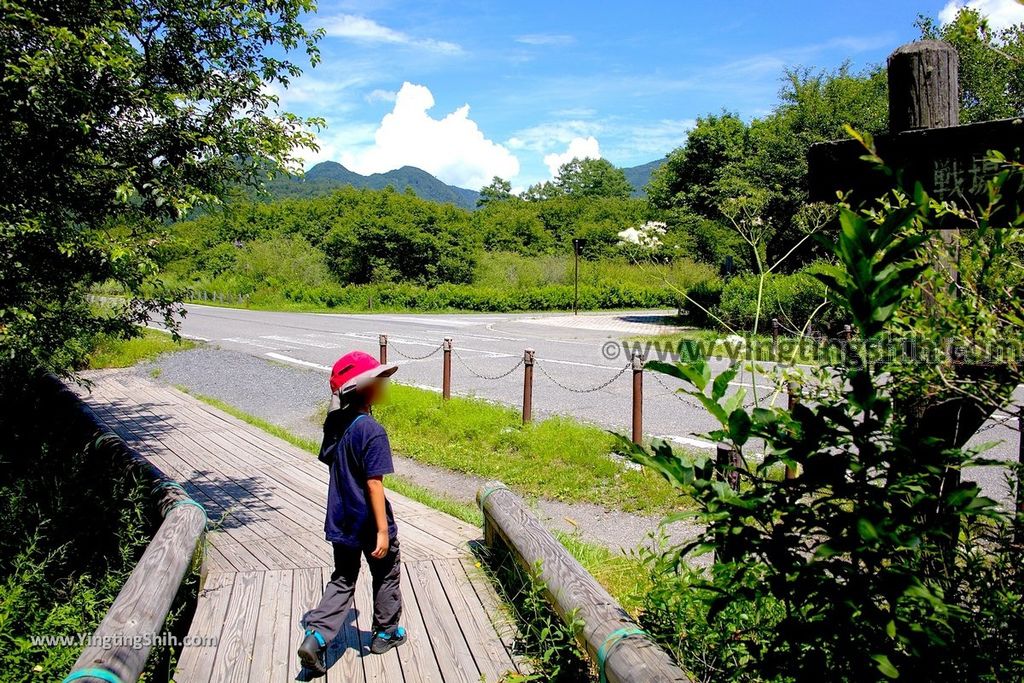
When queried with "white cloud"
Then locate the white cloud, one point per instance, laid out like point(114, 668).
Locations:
point(579, 148)
point(546, 39)
point(380, 95)
point(547, 136)
point(1000, 13)
point(366, 30)
point(452, 148)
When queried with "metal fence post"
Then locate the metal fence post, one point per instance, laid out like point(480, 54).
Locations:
point(727, 463)
point(638, 398)
point(446, 377)
point(383, 339)
point(528, 358)
point(793, 391)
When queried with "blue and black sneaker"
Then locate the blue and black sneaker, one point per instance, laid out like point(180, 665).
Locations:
point(311, 653)
point(384, 640)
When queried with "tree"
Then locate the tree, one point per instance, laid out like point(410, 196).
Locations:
point(991, 64)
point(497, 191)
point(120, 115)
point(592, 178)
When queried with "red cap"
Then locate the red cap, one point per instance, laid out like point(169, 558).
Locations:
point(357, 369)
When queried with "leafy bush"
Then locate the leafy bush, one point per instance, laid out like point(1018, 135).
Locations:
point(877, 561)
point(793, 299)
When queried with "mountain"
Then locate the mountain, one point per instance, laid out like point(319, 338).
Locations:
point(328, 175)
point(639, 176)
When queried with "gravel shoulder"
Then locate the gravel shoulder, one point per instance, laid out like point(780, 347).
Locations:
point(291, 397)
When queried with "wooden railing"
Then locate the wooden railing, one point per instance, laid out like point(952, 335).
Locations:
point(620, 649)
point(120, 646)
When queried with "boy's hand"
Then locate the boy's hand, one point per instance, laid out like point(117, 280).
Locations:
point(382, 545)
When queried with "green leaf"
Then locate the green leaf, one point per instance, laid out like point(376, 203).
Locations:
point(885, 666)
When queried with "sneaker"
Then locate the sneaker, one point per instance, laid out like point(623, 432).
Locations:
point(311, 653)
point(384, 641)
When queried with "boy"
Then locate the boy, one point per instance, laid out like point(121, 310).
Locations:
point(359, 518)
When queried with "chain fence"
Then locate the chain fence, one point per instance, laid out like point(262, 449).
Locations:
point(406, 356)
point(473, 372)
point(577, 390)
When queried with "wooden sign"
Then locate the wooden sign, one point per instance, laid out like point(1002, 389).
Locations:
point(950, 163)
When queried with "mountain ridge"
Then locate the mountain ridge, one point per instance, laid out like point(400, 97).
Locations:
point(326, 176)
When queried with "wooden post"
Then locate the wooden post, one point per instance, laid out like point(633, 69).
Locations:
point(793, 392)
point(924, 92)
point(638, 398)
point(575, 594)
point(383, 339)
point(446, 375)
point(775, 338)
point(1020, 480)
point(528, 358)
point(924, 86)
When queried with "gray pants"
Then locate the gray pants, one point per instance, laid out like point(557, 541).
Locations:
point(329, 616)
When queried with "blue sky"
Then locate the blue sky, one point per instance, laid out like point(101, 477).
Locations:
point(546, 81)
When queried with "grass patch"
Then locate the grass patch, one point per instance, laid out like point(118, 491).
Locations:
point(557, 458)
point(122, 353)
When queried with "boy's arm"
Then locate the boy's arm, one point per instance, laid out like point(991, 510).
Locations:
point(375, 489)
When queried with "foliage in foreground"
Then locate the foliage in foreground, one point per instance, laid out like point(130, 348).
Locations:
point(70, 533)
point(878, 561)
point(119, 115)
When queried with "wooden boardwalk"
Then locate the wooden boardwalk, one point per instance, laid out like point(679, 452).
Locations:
point(266, 560)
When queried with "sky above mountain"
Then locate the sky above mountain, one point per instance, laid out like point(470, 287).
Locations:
point(470, 90)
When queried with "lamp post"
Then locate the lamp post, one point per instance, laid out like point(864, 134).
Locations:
point(576, 244)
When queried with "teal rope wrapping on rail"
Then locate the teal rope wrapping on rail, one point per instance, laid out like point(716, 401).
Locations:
point(102, 674)
point(169, 485)
point(613, 639)
point(487, 493)
point(187, 501)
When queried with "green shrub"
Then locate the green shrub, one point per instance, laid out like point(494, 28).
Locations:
point(793, 299)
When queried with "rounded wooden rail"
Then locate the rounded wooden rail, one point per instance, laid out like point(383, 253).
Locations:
point(616, 643)
point(118, 649)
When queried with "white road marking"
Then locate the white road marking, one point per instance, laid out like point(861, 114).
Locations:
point(300, 342)
point(296, 361)
point(251, 342)
point(689, 441)
point(193, 337)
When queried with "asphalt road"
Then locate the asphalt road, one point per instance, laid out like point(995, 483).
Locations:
point(574, 356)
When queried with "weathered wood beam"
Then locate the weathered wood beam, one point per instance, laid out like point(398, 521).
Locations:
point(574, 593)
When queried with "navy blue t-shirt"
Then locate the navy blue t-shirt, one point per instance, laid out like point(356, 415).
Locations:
point(355, 447)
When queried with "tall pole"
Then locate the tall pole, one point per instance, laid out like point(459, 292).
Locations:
point(528, 358)
point(446, 376)
point(793, 390)
point(638, 398)
point(576, 277)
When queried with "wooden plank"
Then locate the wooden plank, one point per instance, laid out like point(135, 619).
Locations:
point(284, 665)
point(377, 668)
point(266, 621)
point(344, 656)
point(501, 621)
point(417, 656)
point(442, 627)
point(307, 589)
point(234, 654)
point(490, 654)
point(196, 662)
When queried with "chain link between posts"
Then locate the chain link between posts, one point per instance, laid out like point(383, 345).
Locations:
point(488, 377)
point(575, 390)
point(408, 357)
